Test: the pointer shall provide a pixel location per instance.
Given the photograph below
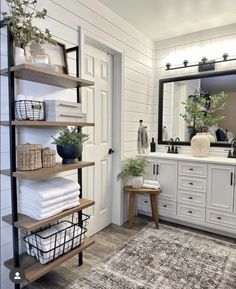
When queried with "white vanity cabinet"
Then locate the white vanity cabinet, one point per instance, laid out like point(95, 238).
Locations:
point(195, 191)
point(165, 171)
point(220, 194)
point(192, 188)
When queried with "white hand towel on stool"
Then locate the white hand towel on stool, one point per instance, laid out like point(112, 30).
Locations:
point(150, 184)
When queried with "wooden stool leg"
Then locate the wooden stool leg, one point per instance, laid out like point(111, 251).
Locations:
point(131, 208)
point(154, 206)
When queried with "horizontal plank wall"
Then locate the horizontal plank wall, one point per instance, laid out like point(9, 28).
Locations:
point(211, 43)
point(64, 18)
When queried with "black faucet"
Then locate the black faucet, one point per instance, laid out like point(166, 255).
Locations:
point(232, 154)
point(172, 149)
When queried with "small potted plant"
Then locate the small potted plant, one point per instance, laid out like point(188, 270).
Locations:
point(133, 168)
point(69, 144)
point(20, 17)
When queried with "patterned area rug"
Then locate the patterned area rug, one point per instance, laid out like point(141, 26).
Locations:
point(168, 258)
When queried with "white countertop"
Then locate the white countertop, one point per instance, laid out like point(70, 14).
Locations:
point(188, 157)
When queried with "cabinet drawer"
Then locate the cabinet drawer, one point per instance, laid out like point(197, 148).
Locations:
point(222, 219)
point(192, 198)
point(194, 212)
point(167, 207)
point(192, 169)
point(189, 183)
point(144, 201)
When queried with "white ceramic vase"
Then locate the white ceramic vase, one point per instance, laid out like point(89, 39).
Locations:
point(137, 182)
point(200, 145)
point(19, 55)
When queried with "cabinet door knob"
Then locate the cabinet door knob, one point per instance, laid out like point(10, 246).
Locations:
point(164, 206)
point(190, 212)
point(218, 218)
point(190, 198)
point(191, 184)
point(145, 202)
point(191, 169)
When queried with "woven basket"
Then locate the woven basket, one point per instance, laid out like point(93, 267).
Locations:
point(48, 158)
point(29, 157)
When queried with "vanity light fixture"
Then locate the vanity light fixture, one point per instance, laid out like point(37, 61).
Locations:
point(225, 56)
point(185, 63)
point(168, 65)
point(204, 64)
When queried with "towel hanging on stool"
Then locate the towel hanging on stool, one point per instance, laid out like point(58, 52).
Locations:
point(142, 142)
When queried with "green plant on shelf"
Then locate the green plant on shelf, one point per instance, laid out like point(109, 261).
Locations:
point(21, 16)
point(70, 137)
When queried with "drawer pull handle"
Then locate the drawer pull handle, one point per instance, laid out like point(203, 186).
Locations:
point(218, 218)
point(190, 212)
point(145, 202)
point(190, 198)
point(191, 169)
point(164, 206)
point(191, 184)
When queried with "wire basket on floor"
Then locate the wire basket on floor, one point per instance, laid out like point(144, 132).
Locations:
point(57, 239)
point(30, 110)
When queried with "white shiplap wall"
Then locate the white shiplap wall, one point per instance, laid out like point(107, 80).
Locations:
point(64, 18)
point(210, 43)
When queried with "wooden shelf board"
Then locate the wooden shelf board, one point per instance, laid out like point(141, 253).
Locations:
point(29, 224)
point(34, 270)
point(46, 123)
point(46, 76)
point(48, 171)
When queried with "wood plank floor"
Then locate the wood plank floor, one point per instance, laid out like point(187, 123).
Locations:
point(108, 240)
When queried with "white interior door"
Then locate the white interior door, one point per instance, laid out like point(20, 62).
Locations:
point(97, 103)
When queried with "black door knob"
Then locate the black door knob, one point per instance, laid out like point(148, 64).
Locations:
point(111, 151)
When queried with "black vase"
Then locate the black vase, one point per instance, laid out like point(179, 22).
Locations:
point(69, 153)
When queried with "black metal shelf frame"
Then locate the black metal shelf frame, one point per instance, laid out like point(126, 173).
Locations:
point(12, 139)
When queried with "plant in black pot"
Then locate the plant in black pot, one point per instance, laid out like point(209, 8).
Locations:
point(69, 144)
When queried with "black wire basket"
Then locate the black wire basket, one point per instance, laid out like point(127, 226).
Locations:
point(58, 238)
point(30, 110)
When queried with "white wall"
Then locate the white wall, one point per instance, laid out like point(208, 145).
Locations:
point(64, 18)
point(210, 43)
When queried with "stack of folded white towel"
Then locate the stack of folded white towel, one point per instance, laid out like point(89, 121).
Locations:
point(54, 241)
point(150, 184)
point(43, 199)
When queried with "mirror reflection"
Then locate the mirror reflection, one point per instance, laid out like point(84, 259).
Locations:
point(200, 105)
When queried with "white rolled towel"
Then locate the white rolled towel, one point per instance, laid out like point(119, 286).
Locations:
point(50, 240)
point(151, 184)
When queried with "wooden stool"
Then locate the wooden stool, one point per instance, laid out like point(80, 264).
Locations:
point(132, 202)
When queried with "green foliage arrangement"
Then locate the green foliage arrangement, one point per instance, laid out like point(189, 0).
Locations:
point(132, 167)
point(200, 114)
point(70, 137)
point(20, 16)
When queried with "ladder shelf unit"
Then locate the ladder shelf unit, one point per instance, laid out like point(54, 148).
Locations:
point(31, 267)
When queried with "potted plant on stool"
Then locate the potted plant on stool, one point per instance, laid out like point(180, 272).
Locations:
point(134, 168)
point(69, 144)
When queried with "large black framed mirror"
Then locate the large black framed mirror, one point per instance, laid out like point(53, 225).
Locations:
point(173, 95)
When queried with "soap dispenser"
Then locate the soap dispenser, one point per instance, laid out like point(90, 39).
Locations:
point(153, 146)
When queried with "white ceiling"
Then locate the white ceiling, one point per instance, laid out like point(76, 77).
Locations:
point(163, 19)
